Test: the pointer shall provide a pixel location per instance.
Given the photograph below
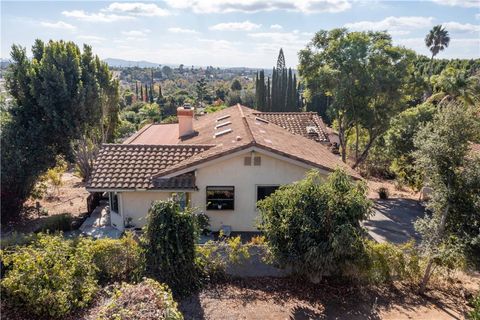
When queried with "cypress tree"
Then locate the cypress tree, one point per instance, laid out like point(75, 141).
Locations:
point(136, 90)
point(269, 97)
point(145, 98)
point(289, 99)
point(263, 97)
point(273, 100)
point(257, 92)
point(150, 95)
point(141, 92)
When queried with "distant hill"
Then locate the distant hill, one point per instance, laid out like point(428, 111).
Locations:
point(128, 63)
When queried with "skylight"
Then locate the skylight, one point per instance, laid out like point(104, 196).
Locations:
point(222, 124)
point(223, 118)
point(221, 133)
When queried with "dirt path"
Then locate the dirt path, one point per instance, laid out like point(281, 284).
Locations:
point(267, 298)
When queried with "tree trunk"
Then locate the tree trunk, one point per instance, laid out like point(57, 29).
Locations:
point(364, 154)
point(439, 236)
point(341, 138)
point(356, 142)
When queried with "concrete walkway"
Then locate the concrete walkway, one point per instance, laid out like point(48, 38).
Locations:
point(98, 224)
point(393, 220)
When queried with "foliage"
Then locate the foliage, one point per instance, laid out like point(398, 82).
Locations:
point(437, 40)
point(443, 154)
point(203, 223)
point(57, 222)
point(50, 277)
point(58, 95)
point(258, 240)
point(147, 300)
point(383, 193)
point(169, 242)
point(386, 262)
point(475, 313)
point(236, 85)
point(210, 261)
point(118, 260)
point(314, 225)
point(236, 250)
point(456, 84)
point(364, 74)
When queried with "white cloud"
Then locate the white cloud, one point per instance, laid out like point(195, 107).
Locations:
point(137, 9)
point(95, 17)
point(136, 33)
point(249, 6)
point(276, 27)
point(182, 30)
point(395, 25)
point(58, 25)
point(236, 26)
point(459, 3)
point(461, 27)
point(91, 38)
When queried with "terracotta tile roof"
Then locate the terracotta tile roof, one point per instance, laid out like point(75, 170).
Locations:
point(307, 124)
point(130, 166)
point(124, 166)
point(156, 133)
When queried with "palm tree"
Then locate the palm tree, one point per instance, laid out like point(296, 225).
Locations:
point(437, 40)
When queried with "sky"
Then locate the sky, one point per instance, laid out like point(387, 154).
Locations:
point(232, 33)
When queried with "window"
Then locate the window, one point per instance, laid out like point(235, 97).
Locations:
point(247, 161)
point(257, 161)
point(220, 198)
point(113, 202)
point(265, 191)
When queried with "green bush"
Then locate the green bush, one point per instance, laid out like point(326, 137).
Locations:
point(50, 277)
point(147, 300)
point(118, 260)
point(203, 223)
point(475, 313)
point(169, 242)
point(210, 262)
point(313, 225)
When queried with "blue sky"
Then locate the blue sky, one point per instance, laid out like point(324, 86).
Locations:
point(232, 32)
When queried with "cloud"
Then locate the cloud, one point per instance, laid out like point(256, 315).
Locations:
point(91, 38)
point(395, 25)
point(276, 26)
point(136, 33)
point(182, 30)
point(458, 3)
point(58, 25)
point(249, 6)
point(461, 27)
point(95, 17)
point(236, 26)
point(137, 9)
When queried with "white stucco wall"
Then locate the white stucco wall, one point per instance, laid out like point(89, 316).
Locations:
point(229, 172)
point(233, 172)
point(136, 204)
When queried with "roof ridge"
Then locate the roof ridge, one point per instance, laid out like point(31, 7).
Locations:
point(157, 145)
point(245, 123)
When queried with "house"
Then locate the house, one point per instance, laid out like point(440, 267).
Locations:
point(220, 163)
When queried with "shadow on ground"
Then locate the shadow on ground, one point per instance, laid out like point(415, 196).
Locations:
point(274, 298)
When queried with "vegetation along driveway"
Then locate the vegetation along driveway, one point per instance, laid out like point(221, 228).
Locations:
point(393, 220)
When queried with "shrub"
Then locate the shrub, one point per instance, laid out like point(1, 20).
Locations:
point(257, 240)
point(49, 277)
point(58, 222)
point(118, 260)
point(203, 223)
point(210, 261)
point(383, 193)
point(147, 300)
point(314, 225)
point(475, 313)
point(169, 241)
point(236, 250)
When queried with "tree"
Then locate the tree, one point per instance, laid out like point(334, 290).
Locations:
point(363, 73)
point(201, 90)
point(260, 92)
point(236, 85)
point(443, 154)
point(456, 84)
point(136, 90)
point(314, 225)
point(58, 95)
point(141, 92)
point(437, 40)
point(280, 60)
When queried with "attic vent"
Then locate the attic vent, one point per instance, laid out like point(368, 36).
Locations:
point(257, 161)
point(222, 118)
point(312, 130)
point(221, 133)
point(247, 161)
point(222, 124)
point(261, 120)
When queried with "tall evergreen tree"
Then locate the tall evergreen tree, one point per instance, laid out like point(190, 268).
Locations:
point(136, 90)
point(269, 96)
point(263, 97)
point(145, 98)
point(141, 91)
point(281, 60)
point(289, 99)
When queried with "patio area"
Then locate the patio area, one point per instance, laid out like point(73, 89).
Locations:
point(98, 224)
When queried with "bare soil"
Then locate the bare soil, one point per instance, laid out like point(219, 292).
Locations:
point(269, 298)
point(374, 184)
point(71, 199)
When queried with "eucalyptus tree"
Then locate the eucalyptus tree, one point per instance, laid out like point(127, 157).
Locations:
point(364, 75)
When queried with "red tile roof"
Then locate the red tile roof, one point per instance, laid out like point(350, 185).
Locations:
point(130, 166)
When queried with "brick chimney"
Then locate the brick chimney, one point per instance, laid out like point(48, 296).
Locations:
point(185, 120)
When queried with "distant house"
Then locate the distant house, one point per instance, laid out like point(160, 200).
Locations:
point(220, 163)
